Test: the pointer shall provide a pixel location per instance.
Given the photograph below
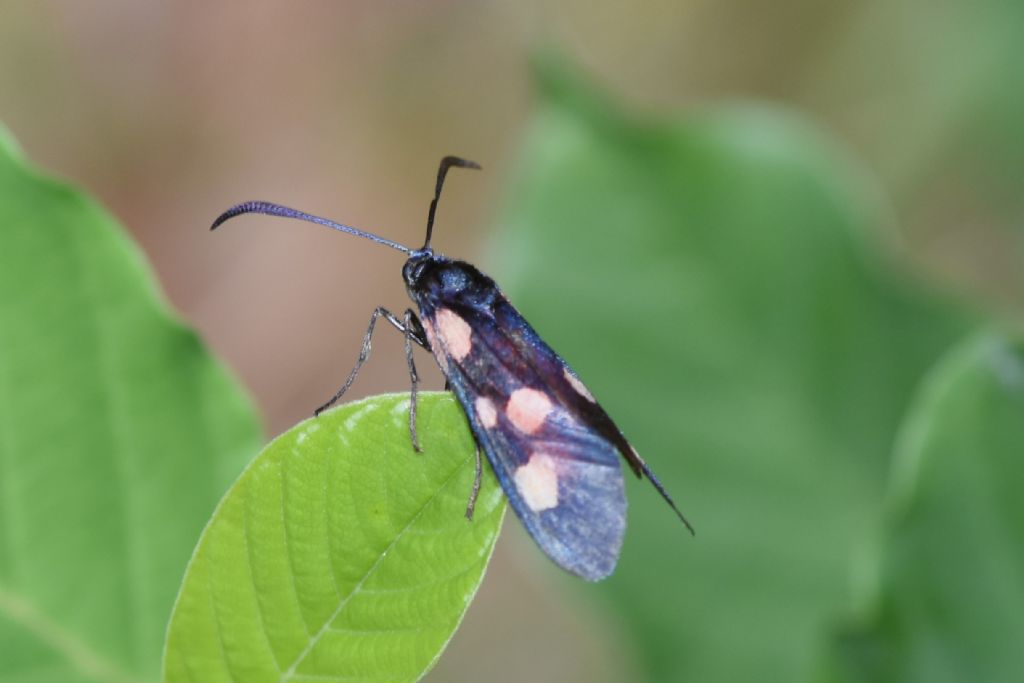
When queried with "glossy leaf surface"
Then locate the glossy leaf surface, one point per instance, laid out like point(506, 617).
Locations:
point(340, 554)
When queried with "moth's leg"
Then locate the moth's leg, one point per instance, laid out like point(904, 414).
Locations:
point(414, 325)
point(471, 505)
point(364, 353)
point(413, 333)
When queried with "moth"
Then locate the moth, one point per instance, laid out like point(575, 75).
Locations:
point(554, 450)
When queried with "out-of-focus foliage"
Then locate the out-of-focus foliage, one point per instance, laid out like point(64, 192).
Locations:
point(118, 434)
point(947, 603)
point(340, 553)
point(717, 282)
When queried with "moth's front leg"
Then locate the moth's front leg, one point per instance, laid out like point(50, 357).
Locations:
point(364, 353)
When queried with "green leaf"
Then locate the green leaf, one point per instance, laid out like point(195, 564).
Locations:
point(340, 553)
point(948, 603)
point(118, 433)
point(716, 282)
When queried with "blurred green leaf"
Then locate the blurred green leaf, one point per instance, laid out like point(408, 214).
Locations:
point(716, 282)
point(118, 433)
point(948, 603)
point(340, 554)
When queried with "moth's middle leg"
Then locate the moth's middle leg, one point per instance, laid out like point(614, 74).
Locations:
point(414, 333)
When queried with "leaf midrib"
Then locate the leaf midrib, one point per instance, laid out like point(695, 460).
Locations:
point(288, 673)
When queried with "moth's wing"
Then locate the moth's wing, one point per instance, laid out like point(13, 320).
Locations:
point(552, 454)
point(563, 481)
point(562, 382)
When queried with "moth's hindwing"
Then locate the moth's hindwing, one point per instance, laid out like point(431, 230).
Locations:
point(546, 438)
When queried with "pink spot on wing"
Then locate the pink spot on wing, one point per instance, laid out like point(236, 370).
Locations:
point(435, 348)
point(455, 333)
point(537, 482)
point(527, 409)
point(486, 412)
point(428, 328)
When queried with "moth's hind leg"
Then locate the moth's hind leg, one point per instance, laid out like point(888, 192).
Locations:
point(471, 505)
point(364, 352)
point(414, 332)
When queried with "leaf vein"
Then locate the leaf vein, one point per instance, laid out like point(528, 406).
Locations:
point(256, 589)
point(290, 673)
point(288, 547)
point(216, 620)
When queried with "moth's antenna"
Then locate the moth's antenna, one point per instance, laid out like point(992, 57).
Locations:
point(446, 163)
point(277, 210)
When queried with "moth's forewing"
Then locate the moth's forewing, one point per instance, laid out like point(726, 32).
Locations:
point(545, 437)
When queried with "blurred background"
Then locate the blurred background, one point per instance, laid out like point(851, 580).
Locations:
point(170, 112)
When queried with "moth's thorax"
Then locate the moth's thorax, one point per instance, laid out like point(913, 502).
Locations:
point(432, 279)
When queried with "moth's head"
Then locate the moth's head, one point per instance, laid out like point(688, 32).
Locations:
point(416, 267)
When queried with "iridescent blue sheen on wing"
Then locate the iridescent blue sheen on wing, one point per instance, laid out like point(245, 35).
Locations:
point(583, 531)
point(561, 474)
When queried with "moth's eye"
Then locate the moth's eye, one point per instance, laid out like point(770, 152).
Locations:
point(413, 270)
